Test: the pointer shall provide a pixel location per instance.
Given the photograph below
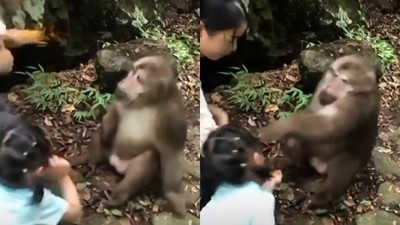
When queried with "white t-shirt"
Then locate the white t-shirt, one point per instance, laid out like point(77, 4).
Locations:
point(247, 204)
point(207, 123)
point(3, 27)
point(16, 207)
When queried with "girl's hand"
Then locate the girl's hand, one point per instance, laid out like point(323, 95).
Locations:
point(219, 115)
point(277, 177)
point(60, 167)
point(274, 181)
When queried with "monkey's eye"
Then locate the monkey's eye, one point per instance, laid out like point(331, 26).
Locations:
point(139, 78)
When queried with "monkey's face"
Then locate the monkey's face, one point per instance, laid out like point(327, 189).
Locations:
point(334, 86)
point(148, 77)
point(345, 75)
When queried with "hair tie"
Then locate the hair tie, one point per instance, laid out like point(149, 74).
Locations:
point(243, 165)
point(25, 170)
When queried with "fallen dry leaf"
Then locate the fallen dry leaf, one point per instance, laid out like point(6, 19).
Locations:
point(12, 97)
point(47, 121)
point(68, 108)
point(251, 122)
point(271, 108)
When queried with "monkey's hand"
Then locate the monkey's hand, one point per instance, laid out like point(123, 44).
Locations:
point(327, 124)
point(219, 115)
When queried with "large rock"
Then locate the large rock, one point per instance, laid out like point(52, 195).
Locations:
point(384, 162)
point(377, 217)
point(113, 62)
point(277, 29)
point(166, 218)
point(389, 194)
point(313, 60)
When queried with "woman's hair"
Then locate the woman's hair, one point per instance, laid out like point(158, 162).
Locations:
point(24, 148)
point(221, 15)
point(227, 151)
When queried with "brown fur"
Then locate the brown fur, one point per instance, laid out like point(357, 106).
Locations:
point(336, 136)
point(142, 127)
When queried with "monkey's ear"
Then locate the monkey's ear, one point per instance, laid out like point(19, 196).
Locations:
point(131, 72)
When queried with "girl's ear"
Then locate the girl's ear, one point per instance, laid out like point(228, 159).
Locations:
point(258, 158)
point(202, 28)
point(38, 170)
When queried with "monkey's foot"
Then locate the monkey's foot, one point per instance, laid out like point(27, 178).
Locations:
point(177, 201)
point(117, 199)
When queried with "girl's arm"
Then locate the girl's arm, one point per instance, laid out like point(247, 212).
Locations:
point(219, 115)
point(73, 213)
point(207, 123)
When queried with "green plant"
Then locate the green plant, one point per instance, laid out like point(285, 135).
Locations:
point(183, 46)
point(358, 32)
point(247, 94)
point(295, 98)
point(49, 93)
point(94, 100)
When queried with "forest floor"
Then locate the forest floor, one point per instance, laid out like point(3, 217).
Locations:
point(69, 138)
point(363, 196)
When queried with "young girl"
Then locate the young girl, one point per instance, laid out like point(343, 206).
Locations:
point(218, 38)
point(244, 194)
point(24, 158)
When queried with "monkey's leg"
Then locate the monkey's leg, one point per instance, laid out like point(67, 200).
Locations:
point(341, 171)
point(16, 38)
point(139, 174)
point(172, 177)
point(95, 154)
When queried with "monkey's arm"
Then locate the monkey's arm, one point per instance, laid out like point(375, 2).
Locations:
point(171, 138)
point(109, 125)
point(331, 122)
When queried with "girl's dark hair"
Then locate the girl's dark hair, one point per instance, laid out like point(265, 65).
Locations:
point(220, 15)
point(227, 151)
point(24, 148)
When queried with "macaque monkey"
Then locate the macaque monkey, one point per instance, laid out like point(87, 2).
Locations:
point(337, 132)
point(145, 128)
